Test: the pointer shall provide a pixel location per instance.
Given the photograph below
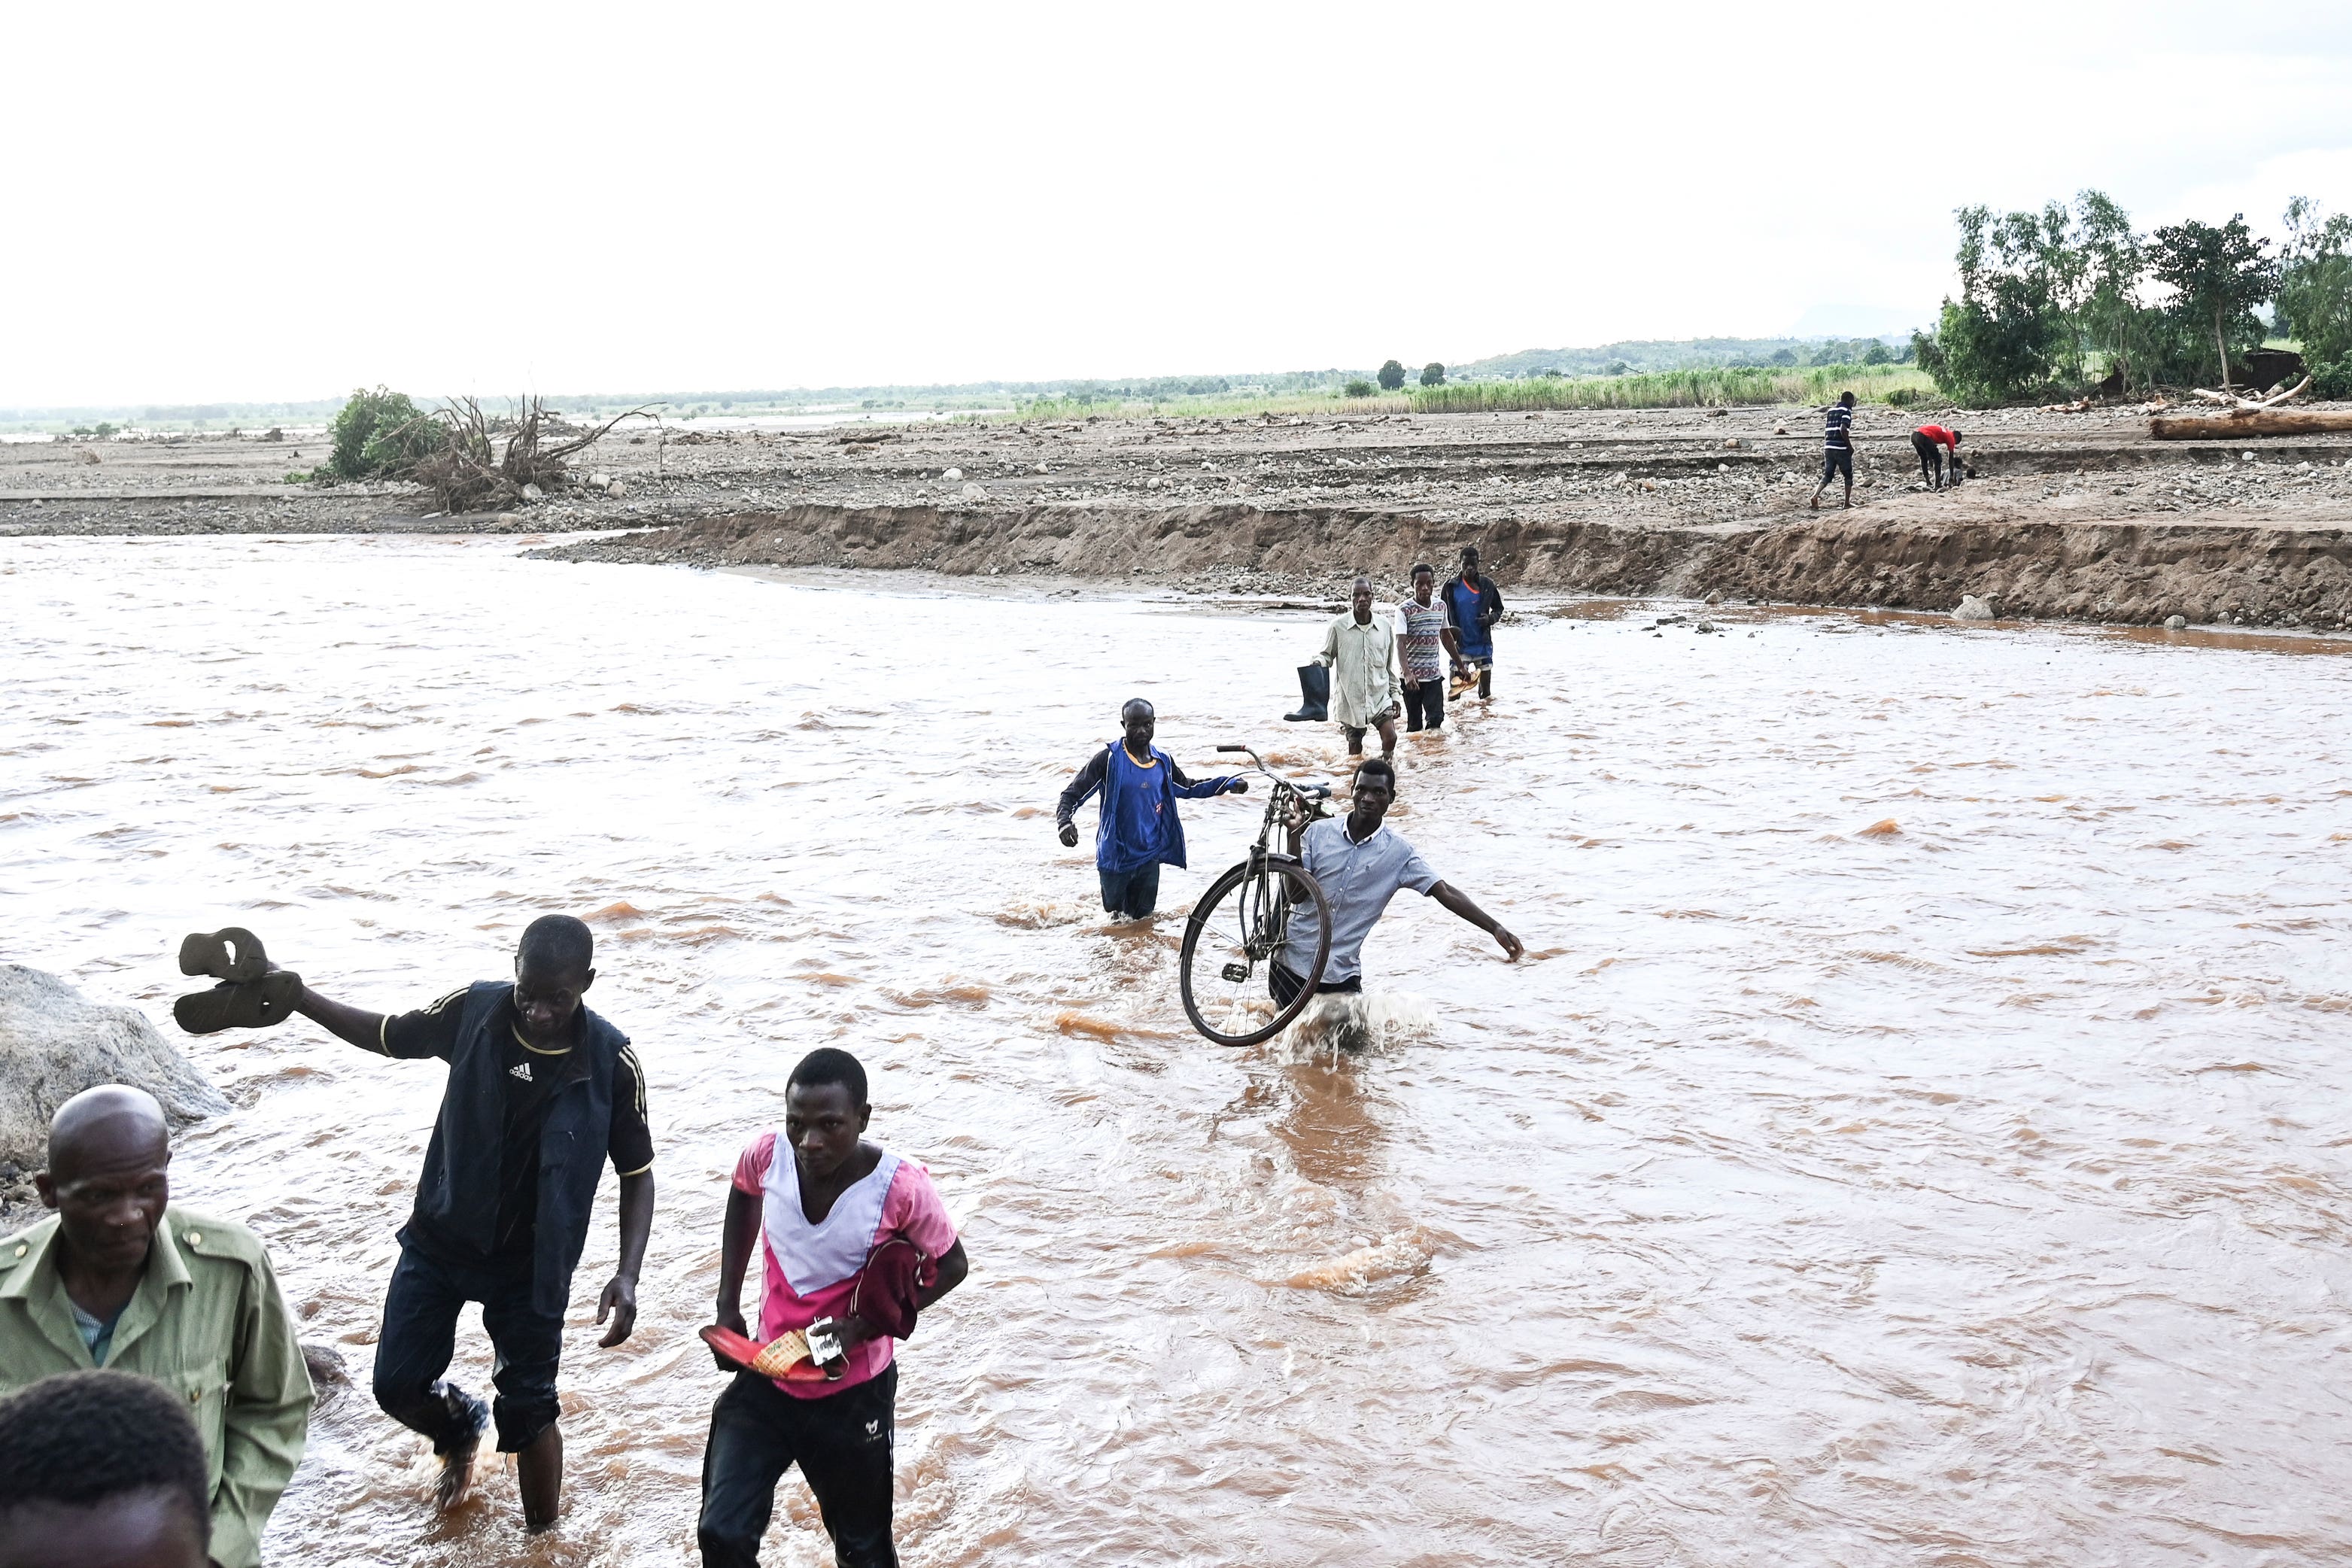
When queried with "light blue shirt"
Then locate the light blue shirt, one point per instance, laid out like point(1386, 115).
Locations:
point(1359, 880)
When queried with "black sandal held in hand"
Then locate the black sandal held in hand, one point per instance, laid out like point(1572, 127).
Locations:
point(241, 1003)
point(203, 953)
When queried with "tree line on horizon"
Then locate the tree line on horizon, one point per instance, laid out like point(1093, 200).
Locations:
point(2069, 297)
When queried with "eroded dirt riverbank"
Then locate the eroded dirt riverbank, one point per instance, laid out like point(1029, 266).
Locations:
point(2068, 516)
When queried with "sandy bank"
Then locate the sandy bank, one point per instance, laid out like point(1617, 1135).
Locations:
point(2065, 515)
point(2284, 573)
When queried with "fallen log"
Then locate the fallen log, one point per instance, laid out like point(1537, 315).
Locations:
point(2251, 422)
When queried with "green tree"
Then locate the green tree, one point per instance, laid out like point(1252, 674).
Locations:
point(1877, 353)
point(1359, 387)
point(2314, 291)
point(2109, 317)
point(1432, 375)
point(2218, 276)
point(1391, 375)
point(2009, 332)
point(381, 433)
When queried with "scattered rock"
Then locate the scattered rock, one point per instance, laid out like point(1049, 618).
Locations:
point(598, 482)
point(55, 1042)
point(1972, 609)
point(86, 456)
point(1715, 597)
point(1731, 443)
point(1779, 430)
point(2176, 623)
point(975, 492)
point(952, 475)
point(532, 495)
point(329, 1376)
point(617, 489)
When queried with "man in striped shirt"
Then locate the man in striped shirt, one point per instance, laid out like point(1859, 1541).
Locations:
point(1837, 447)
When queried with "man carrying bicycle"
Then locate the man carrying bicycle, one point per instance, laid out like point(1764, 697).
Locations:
point(1137, 830)
point(1361, 865)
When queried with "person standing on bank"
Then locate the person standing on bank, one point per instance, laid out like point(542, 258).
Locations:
point(542, 1092)
point(1837, 447)
point(1426, 644)
point(126, 1280)
point(855, 1244)
point(1473, 605)
point(1137, 829)
point(1361, 865)
point(1361, 650)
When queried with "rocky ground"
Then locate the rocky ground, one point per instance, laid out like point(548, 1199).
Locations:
point(2066, 514)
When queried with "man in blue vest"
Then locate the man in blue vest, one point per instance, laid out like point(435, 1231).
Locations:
point(1137, 830)
point(542, 1092)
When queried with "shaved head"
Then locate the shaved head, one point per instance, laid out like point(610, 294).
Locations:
point(109, 1176)
point(111, 1127)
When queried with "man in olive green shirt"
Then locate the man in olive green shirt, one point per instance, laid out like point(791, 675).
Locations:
point(126, 1280)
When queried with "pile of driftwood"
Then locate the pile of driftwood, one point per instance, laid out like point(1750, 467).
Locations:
point(470, 471)
point(2250, 416)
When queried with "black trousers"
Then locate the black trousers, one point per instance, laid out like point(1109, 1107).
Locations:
point(420, 1334)
point(1931, 459)
point(842, 1444)
point(1285, 986)
point(1424, 705)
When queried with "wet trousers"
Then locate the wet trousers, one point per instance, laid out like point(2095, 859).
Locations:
point(842, 1444)
point(420, 1334)
point(1425, 704)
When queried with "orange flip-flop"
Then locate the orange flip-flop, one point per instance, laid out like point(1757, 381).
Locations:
point(785, 1356)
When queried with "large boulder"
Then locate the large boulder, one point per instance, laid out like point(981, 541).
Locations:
point(55, 1042)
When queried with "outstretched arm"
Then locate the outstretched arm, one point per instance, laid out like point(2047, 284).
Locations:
point(346, 1023)
point(1458, 902)
point(620, 1297)
point(1195, 789)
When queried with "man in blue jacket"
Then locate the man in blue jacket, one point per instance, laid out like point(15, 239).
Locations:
point(541, 1094)
point(1473, 605)
point(1138, 831)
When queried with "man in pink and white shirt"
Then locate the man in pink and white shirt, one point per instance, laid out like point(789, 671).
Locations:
point(829, 1210)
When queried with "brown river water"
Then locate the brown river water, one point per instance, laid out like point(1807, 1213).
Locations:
point(1970, 1192)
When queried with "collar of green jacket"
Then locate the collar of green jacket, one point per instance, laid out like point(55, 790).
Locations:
point(29, 1273)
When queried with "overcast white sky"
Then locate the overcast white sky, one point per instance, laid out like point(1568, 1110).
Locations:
point(244, 202)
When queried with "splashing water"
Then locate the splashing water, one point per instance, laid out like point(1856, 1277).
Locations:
point(1972, 1193)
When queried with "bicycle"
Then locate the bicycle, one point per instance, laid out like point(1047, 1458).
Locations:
point(1243, 922)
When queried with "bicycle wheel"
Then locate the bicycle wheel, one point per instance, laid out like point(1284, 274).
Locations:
point(1239, 928)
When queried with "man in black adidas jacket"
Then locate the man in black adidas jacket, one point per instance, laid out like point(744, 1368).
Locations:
point(541, 1093)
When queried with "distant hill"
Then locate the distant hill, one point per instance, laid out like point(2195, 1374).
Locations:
point(1638, 355)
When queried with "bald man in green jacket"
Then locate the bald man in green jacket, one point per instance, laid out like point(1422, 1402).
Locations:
point(124, 1278)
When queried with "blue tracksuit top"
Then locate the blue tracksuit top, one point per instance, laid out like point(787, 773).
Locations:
point(1137, 824)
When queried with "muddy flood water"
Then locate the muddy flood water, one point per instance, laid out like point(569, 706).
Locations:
point(1970, 1191)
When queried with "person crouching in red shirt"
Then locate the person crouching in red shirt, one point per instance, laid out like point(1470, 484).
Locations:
point(1930, 441)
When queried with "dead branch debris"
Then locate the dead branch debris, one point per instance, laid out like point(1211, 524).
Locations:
point(471, 471)
point(2237, 404)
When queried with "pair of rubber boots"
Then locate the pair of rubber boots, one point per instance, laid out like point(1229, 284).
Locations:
point(250, 996)
point(1314, 693)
